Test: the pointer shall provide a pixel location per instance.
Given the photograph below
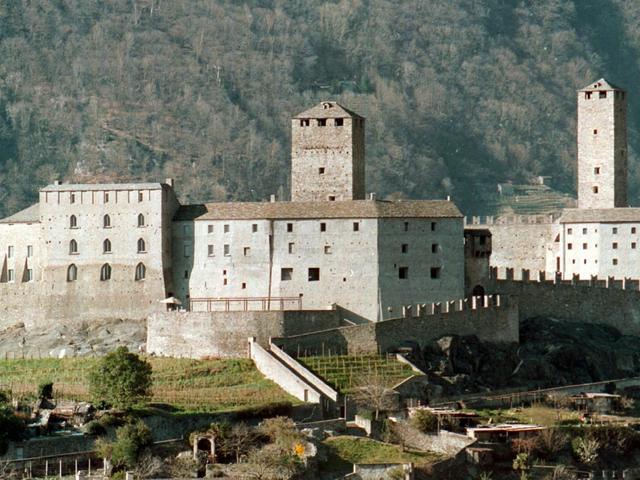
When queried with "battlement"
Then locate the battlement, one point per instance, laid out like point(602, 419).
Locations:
point(488, 220)
point(465, 304)
point(502, 274)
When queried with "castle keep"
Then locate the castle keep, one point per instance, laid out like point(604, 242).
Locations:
point(118, 250)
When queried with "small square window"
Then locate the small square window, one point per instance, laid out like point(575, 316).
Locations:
point(286, 274)
point(569, 231)
point(584, 261)
point(226, 228)
point(584, 246)
point(338, 122)
point(615, 261)
point(614, 245)
point(186, 250)
point(573, 261)
point(226, 250)
point(323, 227)
point(322, 122)
point(29, 250)
point(569, 246)
point(224, 272)
point(254, 228)
point(244, 285)
point(321, 171)
point(587, 95)
point(140, 196)
point(304, 122)
point(433, 226)
point(434, 246)
point(403, 273)
point(314, 274)
point(331, 198)
point(327, 249)
point(595, 131)
point(224, 281)
point(595, 189)
point(210, 250)
point(404, 248)
point(356, 226)
point(633, 229)
point(602, 94)
point(435, 272)
point(209, 228)
point(291, 247)
point(584, 231)
point(633, 245)
point(247, 251)
point(596, 170)
point(289, 227)
point(614, 230)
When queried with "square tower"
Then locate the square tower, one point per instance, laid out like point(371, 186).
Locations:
point(602, 146)
point(327, 154)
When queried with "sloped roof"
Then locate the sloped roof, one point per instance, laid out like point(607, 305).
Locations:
point(87, 187)
point(604, 215)
point(328, 110)
point(28, 215)
point(601, 84)
point(324, 209)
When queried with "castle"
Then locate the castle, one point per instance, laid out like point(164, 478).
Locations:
point(119, 250)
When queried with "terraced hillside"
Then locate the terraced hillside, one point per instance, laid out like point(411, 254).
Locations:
point(347, 372)
point(530, 200)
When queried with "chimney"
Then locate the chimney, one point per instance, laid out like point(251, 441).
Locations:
point(57, 182)
point(169, 181)
point(448, 198)
point(272, 198)
point(372, 196)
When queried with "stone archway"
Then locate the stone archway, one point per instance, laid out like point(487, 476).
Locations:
point(478, 291)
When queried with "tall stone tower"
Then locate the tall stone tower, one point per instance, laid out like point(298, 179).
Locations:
point(327, 154)
point(602, 146)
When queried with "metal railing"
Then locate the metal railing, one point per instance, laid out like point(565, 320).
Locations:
point(228, 304)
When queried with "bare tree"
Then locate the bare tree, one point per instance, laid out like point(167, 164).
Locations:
point(373, 391)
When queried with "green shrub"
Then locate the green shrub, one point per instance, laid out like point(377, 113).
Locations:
point(94, 427)
point(425, 421)
point(585, 449)
point(45, 391)
point(131, 440)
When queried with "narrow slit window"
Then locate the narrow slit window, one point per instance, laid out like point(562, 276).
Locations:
point(106, 246)
point(105, 272)
point(106, 221)
point(73, 247)
point(73, 221)
point(72, 273)
point(141, 272)
point(141, 220)
point(142, 246)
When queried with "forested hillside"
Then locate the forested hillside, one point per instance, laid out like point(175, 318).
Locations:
point(458, 95)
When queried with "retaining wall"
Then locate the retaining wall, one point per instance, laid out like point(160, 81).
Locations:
point(224, 334)
point(496, 324)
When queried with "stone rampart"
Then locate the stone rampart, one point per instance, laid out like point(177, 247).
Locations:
point(497, 322)
point(609, 301)
point(224, 334)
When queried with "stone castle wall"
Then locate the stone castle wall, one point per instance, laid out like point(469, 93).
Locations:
point(225, 334)
point(606, 301)
point(496, 323)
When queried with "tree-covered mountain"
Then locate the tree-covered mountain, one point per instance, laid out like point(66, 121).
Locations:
point(458, 95)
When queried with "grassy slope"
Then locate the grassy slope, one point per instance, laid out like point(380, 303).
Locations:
point(208, 385)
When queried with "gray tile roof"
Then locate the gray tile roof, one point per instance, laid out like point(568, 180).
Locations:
point(605, 215)
point(328, 110)
point(28, 215)
point(87, 187)
point(323, 209)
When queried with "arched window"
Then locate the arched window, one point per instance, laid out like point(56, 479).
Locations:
point(106, 221)
point(72, 273)
point(73, 221)
point(105, 272)
point(141, 246)
point(106, 246)
point(140, 220)
point(73, 247)
point(141, 272)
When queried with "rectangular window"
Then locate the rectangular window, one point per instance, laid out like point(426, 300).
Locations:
point(435, 272)
point(11, 275)
point(595, 131)
point(29, 250)
point(434, 246)
point(291, 247)
point(331, 198)
point(323, 227)
point(569, 231)
point(286, 274)
point(322, 122)
point(209, 228)
point(314, 274)
point(304, 122)
point(244, 285)
point(615, 261)
point(633, 229)
point(140, 196)
point(338, 122)
point(289, 227)
point(10, 251)
point(254, 228)
point(614, 245)
point(224, 281)
point(404, 248)
point(403, 273)
point(433, 226)
point(321, 171)
point(596, 170)
point(226, 250)
point(356, 226)
point(72, 198)
point(587, 95)
point(406, 226)
point(615, 230)
point(210, 250)
point(186, 274)
point(602, 94)
point(569, 246)
point(186, 250)
point(247, 251)
point(595, 189)
point(327, 249)
point(584, 246)
point(106, 197)
point(633, 245)
point(584, 231)
point(226, 228)
point(29, 275)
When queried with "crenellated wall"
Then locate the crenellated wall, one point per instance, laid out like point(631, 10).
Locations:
point(610, 301)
